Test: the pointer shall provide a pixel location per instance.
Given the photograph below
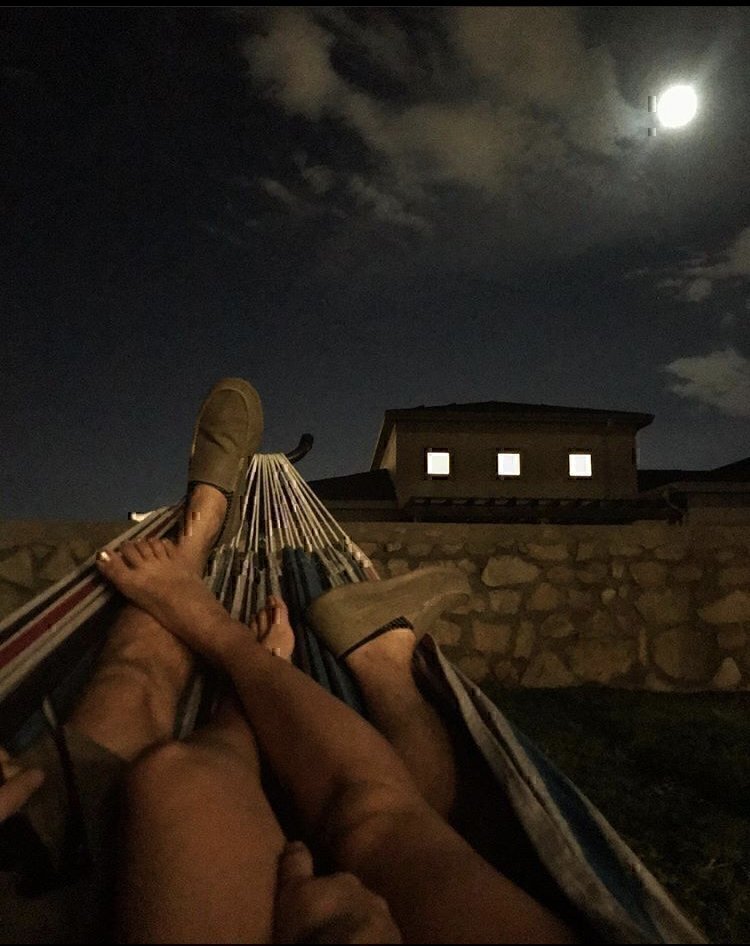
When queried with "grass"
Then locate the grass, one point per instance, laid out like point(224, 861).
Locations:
point(671, 772)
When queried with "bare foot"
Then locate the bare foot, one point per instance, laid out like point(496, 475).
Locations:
point(272, 628)
point(158, 577)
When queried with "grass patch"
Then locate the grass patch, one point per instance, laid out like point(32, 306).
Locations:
point(671, 772)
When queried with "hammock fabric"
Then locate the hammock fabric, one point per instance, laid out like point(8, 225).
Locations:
point(289, 544)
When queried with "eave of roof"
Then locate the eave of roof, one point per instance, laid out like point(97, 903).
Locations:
point(454, 413)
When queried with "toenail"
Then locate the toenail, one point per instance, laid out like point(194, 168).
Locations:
point(104, 556)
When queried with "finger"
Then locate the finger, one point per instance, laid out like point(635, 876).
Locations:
point(17, 790)
point(295, 864)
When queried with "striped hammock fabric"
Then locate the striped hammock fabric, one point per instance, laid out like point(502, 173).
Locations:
point(289, 544)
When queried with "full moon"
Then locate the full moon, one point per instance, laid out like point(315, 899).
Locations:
point(677, 106)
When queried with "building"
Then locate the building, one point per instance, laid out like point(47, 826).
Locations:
point(508, 462)
point(497, 460)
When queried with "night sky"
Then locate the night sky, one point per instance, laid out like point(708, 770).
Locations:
point(360, 209)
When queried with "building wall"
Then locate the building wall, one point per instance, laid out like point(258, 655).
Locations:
point(647, 606)
point(544, 460)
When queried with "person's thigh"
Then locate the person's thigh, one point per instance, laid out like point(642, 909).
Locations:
point(201, 843)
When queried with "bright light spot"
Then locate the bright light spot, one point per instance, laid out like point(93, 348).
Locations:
point(509, 464)
point(438, 463)
point(677, 106)
point(580, 464)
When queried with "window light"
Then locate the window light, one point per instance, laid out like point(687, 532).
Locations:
point(438, 463)
point(509, 464)
point(580, 464)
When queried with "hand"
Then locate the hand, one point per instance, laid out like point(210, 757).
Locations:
point(19, 786)
point(335, 909)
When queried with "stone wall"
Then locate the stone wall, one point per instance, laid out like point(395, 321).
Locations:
point(34, 554)
point(649, 605)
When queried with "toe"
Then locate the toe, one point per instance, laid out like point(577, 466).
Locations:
point(131, 554)
point(111, 564)
point(169, 547)
point(156, 548)
point(261, 619)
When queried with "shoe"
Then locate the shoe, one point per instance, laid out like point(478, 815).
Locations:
point(227, 434)
point(347, 617)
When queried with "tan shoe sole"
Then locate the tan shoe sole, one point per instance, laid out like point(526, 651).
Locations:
point(346, 617)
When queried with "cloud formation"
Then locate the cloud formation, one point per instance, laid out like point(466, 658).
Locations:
point(698, 277)
point(505, 106)
point(721, 379)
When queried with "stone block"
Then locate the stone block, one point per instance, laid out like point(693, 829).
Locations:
point(624, 549)
point(505, 672)
point(491, 638)
point(724, 555)
point(623, 592)
point(476, 602)
point(672, 552)
point(643, 647)
point(728, 676)
point(509, 570)
point(601, 660)
point(19, 569)
point(58, 564)
point(733, 608)
point(451, 548)
point(547, 670)
point(545, 597)
point(608, 595)
point(655, 684)
point(561, 575)
point(670, 606)
point(733, 637)
point(397, 566)
point(735, 575)
point(447, 633)
point(685, 653)
point(369, 548)
point(11, 598)
point(40, 552)
point(618, 570)
point(392, 547)
point(649, 535)
point(418, 549)
point(466, 565)
point(649, 574)
point(557, 625)
point(525, 640)
point(475, 667)
point(593, 573)
point(601, 624)
point(685, 574)
point(589, 550)
point(548, 553)
point(505, 601)
point(580, 600)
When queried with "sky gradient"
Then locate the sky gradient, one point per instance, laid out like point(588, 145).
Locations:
point(360, 209)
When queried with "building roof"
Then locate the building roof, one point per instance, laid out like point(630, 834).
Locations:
point(374, 485)
point(505, 410)
point(738, 472)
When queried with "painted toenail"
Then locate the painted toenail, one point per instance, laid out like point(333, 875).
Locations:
point(104, 556)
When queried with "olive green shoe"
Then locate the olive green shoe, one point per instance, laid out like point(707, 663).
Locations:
point(227, 434)
point(347, 617)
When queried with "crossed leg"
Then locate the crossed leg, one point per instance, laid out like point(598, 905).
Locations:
point(351, 791)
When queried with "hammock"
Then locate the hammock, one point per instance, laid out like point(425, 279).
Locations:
point(289, 544)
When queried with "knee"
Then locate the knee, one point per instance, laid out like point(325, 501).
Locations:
point(165, 774)
point(365, 813)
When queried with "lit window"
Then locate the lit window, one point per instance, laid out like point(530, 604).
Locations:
point(438, 463)
point(580, 464)
point(509, 464)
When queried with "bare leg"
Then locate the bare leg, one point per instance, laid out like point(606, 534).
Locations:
point(130, 702)
point(404, 717)
point(201, 841)
point(350, 789)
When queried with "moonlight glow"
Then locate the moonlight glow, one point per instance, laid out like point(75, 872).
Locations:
point(677, 106)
